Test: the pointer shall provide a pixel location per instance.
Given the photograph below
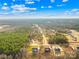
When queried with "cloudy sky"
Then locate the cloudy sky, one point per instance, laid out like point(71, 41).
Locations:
point(39, 8)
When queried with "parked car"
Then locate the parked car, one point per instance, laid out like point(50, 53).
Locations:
point(35, 50)
point(47, 50)
point(57, 51)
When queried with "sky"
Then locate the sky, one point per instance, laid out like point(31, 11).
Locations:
point(39, 8)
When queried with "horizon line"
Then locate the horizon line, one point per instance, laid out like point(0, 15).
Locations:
point(38, 17)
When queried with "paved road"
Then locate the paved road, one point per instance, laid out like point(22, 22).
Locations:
point(45, 42)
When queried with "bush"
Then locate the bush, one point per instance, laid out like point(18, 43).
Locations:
point(12, 42)
point(58, 39)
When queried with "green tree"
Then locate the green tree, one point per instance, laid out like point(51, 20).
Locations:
point(58, 39)
point(12, 42)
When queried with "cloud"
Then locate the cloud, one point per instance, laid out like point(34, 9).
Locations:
point(5, 4)
point(30, 2)
point(74, 12)
point(19, 8)
point(64, 0)
point(52, 0)
point(60, 5)
point(22, 8)
point(77, 13)
point(46, 6)
point(67, 13)
point(13, 0)
point(42, 6)
point(49, 6)
point(6, 13)
point(5, 8)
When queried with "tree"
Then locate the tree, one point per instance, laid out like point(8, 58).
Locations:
point(12, 42)
point(58, 39)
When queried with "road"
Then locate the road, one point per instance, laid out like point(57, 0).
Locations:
point(44, 40)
